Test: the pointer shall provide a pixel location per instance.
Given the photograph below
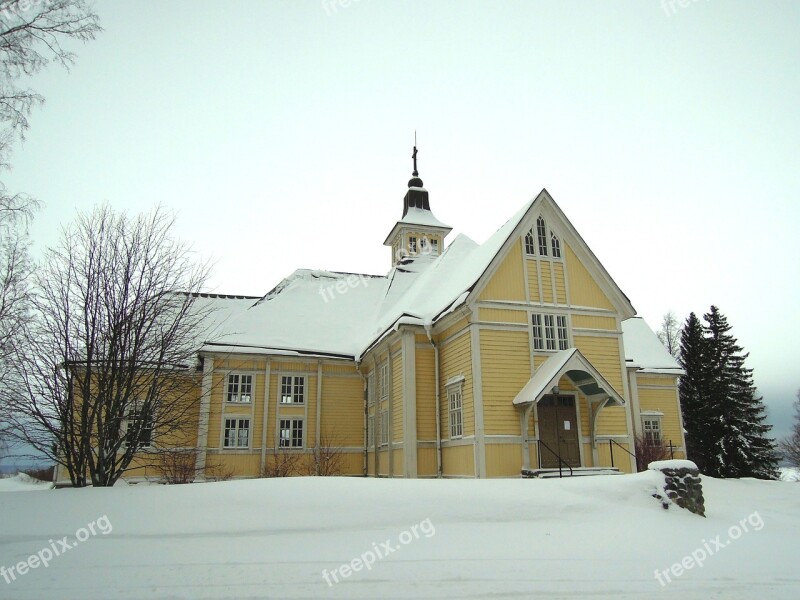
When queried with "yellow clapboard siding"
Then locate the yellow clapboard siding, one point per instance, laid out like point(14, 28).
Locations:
point(500, 315)
point(612, 420)
point(593, 322)
point(453, 329)
point(547, 282)
point(505, 369)
point(426, 462)
point(397, 463)
point(560, 280)
point(342, 411)
point(583, 289)
point(603, 353)
point(426, 394)
point(456, 360)
point(622, 459)
point(533, 280)
point(663, 401)
point(397, 399)
point(508, 281)
point(458, 460)
point(503, 460)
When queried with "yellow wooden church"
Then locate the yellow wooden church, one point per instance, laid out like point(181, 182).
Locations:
point(464, 360)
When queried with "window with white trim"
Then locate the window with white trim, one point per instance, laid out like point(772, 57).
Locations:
point(371, 388)
point(384, 428)
point(383, 380)
point(541, 234)
point(550, 332)
point(371, 431)
point(555, 244)
point(237, 432)
point(293, 389)
point(530, 245)
point(139, 426)
point(412, 244)
point(239, 388)
point(454, 399)
point(651, 426)
point(434, 245)
point(291, 433)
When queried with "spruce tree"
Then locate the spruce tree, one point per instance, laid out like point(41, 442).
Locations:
point(725, 429)
point(693, 390)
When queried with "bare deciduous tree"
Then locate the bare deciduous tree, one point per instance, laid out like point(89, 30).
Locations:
point(790, 445)
point(108, 366)
point(31, 37)
point(647, 452)
point(326, 458)
point(670, 334)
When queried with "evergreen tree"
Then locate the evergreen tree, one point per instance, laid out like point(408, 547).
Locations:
point(724, 418)
point(693, 390)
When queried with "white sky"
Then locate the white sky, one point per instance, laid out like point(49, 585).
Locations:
point(281, 134)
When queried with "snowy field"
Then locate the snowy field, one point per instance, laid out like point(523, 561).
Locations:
point(591, 537)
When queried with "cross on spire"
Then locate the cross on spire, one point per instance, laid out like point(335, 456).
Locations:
point(414, 155)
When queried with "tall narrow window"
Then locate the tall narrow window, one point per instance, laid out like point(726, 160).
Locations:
point(237, 433)
point(434, 247)
point(293, 389)
point(556, 245)
point(384, 428)
point(139, 427)
point(383, 380)
point(563, 337)
point(538, 332)
point(291, 435)
point(541, 233)
point(240, 388)
point(370, 431)
point(412, 244)
point(456, 414)
point(550, 331)
point(530, 246)
point(371, 388)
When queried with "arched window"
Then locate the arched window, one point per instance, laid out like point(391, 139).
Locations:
point(556, 244)
point(530, 247)
point(541, 233)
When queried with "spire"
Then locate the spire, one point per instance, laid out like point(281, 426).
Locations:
point(414, 155)
point(415, 181)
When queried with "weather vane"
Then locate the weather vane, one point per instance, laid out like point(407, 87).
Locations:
point(414, 155)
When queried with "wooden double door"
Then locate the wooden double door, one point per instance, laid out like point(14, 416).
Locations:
point(558, 431)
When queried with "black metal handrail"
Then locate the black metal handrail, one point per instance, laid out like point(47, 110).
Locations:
point(611, 444)
point(540, 443)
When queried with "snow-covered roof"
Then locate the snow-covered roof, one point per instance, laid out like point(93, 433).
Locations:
point(644, 351)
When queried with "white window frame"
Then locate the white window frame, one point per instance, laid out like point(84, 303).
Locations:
point(383, 380)
point(434, 246)
point(236, 429)
point(133, 414)
point(291, 439)
point(455, 404)
point(384, 440)
point(555, 244)
point(550, 332)
point(649, 418)
point(371, 388)
point(412, 245)
point(292, 390)
point(541, 235)
point(239, 386)
point(371, 431)
point(530, 243)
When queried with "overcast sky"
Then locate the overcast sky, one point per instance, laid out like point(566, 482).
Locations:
point(280, 132)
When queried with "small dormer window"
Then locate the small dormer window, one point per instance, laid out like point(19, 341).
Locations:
point(541, 233)
point(412, 244)
point(555, 243)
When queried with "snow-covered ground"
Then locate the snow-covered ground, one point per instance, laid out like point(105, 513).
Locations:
point(591, 537)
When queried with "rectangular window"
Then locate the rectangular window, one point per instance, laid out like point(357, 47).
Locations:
point(138, 425)
point(291, 435)
point(237, 433)
point(370, 431)
point(435, 247)
point(412, 245)
point(541, 233)
point(293, 389)
point(556, 244)
point(563, 338)
point(550, 332)
point(456, 414)
point(240, 388)
point(383, 380)
point(371, 388)
point(652, 430)
point(538, 333)
point(384, 428)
